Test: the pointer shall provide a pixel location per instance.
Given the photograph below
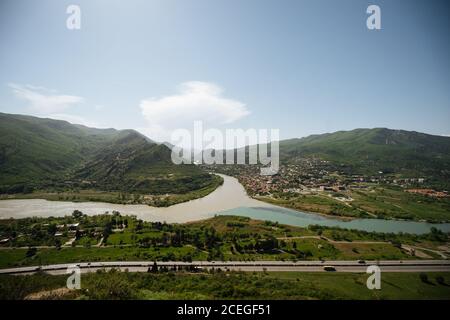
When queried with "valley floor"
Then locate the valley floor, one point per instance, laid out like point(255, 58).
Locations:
point(113, 237)
point(254, 259)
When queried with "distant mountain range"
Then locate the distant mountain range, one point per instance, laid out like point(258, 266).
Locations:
point(41, 153)
point(37, 153)
point(370, 151)
point(407, 154)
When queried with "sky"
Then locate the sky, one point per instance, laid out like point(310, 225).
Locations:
point(303, 67)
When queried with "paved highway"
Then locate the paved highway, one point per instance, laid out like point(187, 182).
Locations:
point(302, 266)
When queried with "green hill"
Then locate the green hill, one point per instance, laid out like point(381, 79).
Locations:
point(46, 154)
point(369, 151)
point(406, 154)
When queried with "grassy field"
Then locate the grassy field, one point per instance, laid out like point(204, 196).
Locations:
point(318, 204)
point(311, 249)
point(393, 285)
point(223, 238)
point(229, 285)
point(17, 257)
point(396, 203)
point(373, 202)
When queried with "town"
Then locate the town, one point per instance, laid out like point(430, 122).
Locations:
point(316, 185)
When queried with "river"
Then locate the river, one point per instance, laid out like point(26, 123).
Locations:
point(228, 199)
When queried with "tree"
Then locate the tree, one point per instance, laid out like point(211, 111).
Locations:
point(139, 225)
point(154, 267)
point(31, 252)
point(51, 229)
point(27, 189)
point(77, 214)
point(107, 230)
point(58, 244)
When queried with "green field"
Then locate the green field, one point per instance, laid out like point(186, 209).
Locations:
point(223, 238)
point(383, 202)
point(307, 247)
point(318, 204)
point(228, 285)
point(17, 257)
point(389, 203)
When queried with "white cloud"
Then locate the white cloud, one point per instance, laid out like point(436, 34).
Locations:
point(195, 101)
point(44, 101)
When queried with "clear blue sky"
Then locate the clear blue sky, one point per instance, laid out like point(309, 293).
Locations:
point(304, 67)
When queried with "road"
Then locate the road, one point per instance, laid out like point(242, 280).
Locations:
point(301, 266)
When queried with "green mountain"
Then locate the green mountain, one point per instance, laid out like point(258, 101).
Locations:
point(369, 151)
point(37, 153)
point(400, 153)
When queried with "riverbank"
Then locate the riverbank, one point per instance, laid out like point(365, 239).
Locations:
point(372, 202)
point(228, 199)
point(368, 209)
point(116, 197)
point(274, 202)
point(229, 195)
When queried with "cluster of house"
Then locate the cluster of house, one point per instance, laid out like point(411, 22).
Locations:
point(429, 193)
point(403, 182)
point(291, 180)
point(71, 228)
point(307, 176)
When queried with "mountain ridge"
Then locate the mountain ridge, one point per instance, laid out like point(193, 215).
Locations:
point(41, 153)
point(371, 151)
point(43, 147)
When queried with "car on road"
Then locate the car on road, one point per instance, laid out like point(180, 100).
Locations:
point(329, 268)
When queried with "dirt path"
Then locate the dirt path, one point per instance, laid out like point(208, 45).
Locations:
point(333, 241)
point(48, 294)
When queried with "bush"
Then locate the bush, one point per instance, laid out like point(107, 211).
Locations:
point(440, 280)
point(112, 285)
point(18, 287)
point(423, 277)
point(31, 252)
